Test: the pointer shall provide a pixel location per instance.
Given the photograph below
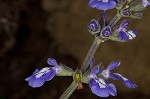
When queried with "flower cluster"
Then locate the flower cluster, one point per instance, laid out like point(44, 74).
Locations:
point(96, 76)
point(103, 31)
point(99, 84)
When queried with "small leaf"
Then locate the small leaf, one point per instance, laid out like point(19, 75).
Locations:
point(120, 4)
point(136, 5)
point(137, 14)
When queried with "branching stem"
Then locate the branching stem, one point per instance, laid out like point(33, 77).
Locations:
point(97, 41)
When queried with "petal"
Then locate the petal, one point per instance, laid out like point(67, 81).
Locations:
point(126, 82)
point(124, 24)
point(38, 78)
point(27, 79)
point(43, 71)
point(92, 82)
point(115, 76)
point(129, 84)
point(106, 5)
point(145, 3)
point(95, 70)
point(98, 88)
point(106, 32)
point(92, 62)
point(101, 92)
point(93, 3)
point(112, 89)
point(132, 34)
point(123, 35)
point(52, 62)
point(33, 81)
point(102, 20)
point(49, 75)
point(102, 87)
point(113, 65)
point(103, 16)
point(94, 27)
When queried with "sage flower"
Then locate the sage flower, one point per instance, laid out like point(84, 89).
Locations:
point(125, 34)
point(115, 76)
point(99, 86)
point(38, 78)
point(103, 4)
point(145, 3)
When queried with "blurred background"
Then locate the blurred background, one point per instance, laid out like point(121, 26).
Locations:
point(33, 30)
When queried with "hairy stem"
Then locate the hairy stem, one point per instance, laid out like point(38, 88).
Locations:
point(90, 55)
point(69, 90)
point(113, 22)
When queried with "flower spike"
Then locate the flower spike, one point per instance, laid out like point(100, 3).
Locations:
point(96, 76)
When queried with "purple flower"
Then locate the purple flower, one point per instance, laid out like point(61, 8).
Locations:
point(145, 3)
point(125, 34)
point(94, 27)
point(99, 86)
point(102, 4)
point(115, 76)
point(106, 32)
point(38, 78)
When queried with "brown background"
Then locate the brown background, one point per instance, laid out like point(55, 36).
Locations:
point(33, 30)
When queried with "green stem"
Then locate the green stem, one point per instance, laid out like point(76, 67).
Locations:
point(69, 90)
point(90, 55)
point(113, 22)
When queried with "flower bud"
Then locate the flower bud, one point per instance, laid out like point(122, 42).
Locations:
point(94, 27)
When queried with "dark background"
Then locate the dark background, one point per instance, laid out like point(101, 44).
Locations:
point(33, 30)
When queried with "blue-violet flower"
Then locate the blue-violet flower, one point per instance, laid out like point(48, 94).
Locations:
point(99, 86)
point(106, 32)
point(94, 27)
point(98, 80)
point(38, 78)
point(145, 3)
point(125, 34)
point(115, 76)
point(103, 4)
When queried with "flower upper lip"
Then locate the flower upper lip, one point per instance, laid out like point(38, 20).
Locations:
point(103, 4)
